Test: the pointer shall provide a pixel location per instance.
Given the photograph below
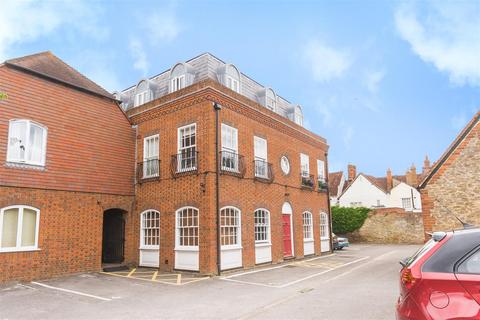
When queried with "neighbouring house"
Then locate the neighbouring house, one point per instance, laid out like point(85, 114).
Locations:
point(198, 158)
point(391, 191)
point(67, 155)
point(452, 188)
point(336, 184)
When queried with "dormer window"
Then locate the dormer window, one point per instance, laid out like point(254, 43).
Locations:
point(298, 116)
point(142, 93)
point(177, 83)
point(271, 100)
point(230, 77)
point(27, 143)
point(181, 76)
point(233, 84)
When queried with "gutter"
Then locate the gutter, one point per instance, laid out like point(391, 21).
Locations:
point(217, 109)
point(328, 206)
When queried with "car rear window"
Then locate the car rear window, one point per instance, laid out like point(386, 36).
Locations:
point(420, 252)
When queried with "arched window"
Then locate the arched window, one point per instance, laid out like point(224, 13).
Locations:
point(143, 93)
point(271, 99)
point(262, 226)
point(27, 142)
point(230, 227)
point(19, 228)
point(178, 79)
point(287, 208)
point(187, 227)
point(298, 115)
point(307, 226)
point(324, 225)
point(150, 229)
point(232, 78)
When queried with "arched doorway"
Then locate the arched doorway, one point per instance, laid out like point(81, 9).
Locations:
point(113, 239)
point(287, 227)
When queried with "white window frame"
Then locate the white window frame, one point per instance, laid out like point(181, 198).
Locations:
point(230, 148)
point(324, 226)
point(266, 226)
point(142, 98)
point(307, 219)
point(26, 145)
point(271, 103)
point(321, 170)
point(178, 246)
point(192, 126)
point(147, 157)
point(261, 157)
point(237, 225)
point(233, 84)
point(304, 165)
point(143, 229)
point(177, 83)
point(355, 204)
point(409, 200)
point(298, 116)
point(18, 246)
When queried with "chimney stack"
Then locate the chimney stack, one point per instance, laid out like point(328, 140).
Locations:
point(352, 172)
point(389, 180)
point(426, 165)
point(412, 176)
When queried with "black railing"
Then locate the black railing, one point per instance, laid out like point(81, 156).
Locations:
point(148, 170)
point(322, 185)
point(232, 163)
point(263, 171)
point(185, 162)
point(308, 181)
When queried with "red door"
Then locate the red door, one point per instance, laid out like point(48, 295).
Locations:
point(287, 236)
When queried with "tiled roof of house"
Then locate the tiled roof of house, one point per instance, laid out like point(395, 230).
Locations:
point(47, 65)
point(458, 140)
point(334, 180)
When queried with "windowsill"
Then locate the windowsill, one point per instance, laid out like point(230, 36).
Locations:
point(13, 250)
point(196, 249)
point(324, 238)
point(227, 248)
point(24, 165)
point(308, 240)
point(149, 248)
point(263, 244)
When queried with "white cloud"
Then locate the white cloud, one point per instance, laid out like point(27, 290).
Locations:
point(26, 21)
point(162, 26)
point(446, 34)
point(139, 55)
point(372, 80)
point(326, 63)
point(97, 65)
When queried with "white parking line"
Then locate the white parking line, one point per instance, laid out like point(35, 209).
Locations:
point(288, 283)
point(71, 291)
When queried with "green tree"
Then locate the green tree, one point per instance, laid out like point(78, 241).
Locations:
point(345, 220)
point(3, 95)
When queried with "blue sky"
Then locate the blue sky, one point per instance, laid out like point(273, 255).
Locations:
point(385, 82)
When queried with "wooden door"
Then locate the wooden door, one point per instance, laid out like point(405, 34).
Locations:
point(287, 235)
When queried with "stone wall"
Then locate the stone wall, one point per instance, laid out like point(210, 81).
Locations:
point(390, 225)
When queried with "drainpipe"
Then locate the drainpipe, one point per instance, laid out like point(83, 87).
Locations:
point(217, 109)
point(328, 203)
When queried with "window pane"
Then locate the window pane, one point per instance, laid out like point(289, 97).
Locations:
point(472, 265)
point(17, 140)
point(9, 229)
point(35, 144)
point(29, 224)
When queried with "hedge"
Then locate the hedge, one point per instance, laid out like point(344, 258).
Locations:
point(345, 220)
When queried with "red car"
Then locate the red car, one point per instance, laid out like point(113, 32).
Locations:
point(442, 279)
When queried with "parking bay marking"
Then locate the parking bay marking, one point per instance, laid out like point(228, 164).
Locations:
point(71, 291)
point(291, 282)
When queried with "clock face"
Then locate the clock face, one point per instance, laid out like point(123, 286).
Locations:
point(285, 165)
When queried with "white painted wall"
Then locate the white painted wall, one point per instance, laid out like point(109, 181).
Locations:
point(403, 190)
point(362, 190)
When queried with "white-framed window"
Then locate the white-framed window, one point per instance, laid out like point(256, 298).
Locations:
point(321, 170)
point(261, 157)
point(324, 225)
point(187, 228)
point(262, 226)
point(141, 98)
point(270, 100)
point(233, 84)
point(230, 148)
point(406, 203)
point(187, 148)
point(304, 165)
point(298, 116)
point(230, 227)
point(151, 156)
point(177, 83)
point(150, 230)
point(19, 228)
point(355, 204)
point(307, 226)
point(27, 142)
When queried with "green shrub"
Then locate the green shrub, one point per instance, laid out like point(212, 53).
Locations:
point(345, 220)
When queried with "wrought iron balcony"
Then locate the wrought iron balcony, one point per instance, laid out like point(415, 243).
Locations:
point(308, 181)
point(184, 163)
point(148, 170)
point(322, 185)
point(232, 163)
point(263, 171)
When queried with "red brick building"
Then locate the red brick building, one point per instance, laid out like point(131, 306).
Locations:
point(214, 160)
point(67, 162)
point(451, 189)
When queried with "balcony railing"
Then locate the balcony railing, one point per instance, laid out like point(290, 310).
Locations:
point(322, 185)
point(308, 181)
point(232, 163)
point(148, 170)
point(184, 163)
point(263, 171)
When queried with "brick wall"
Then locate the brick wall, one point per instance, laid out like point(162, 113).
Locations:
point(390, 225)
point(455, 188)
point(70, 232)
